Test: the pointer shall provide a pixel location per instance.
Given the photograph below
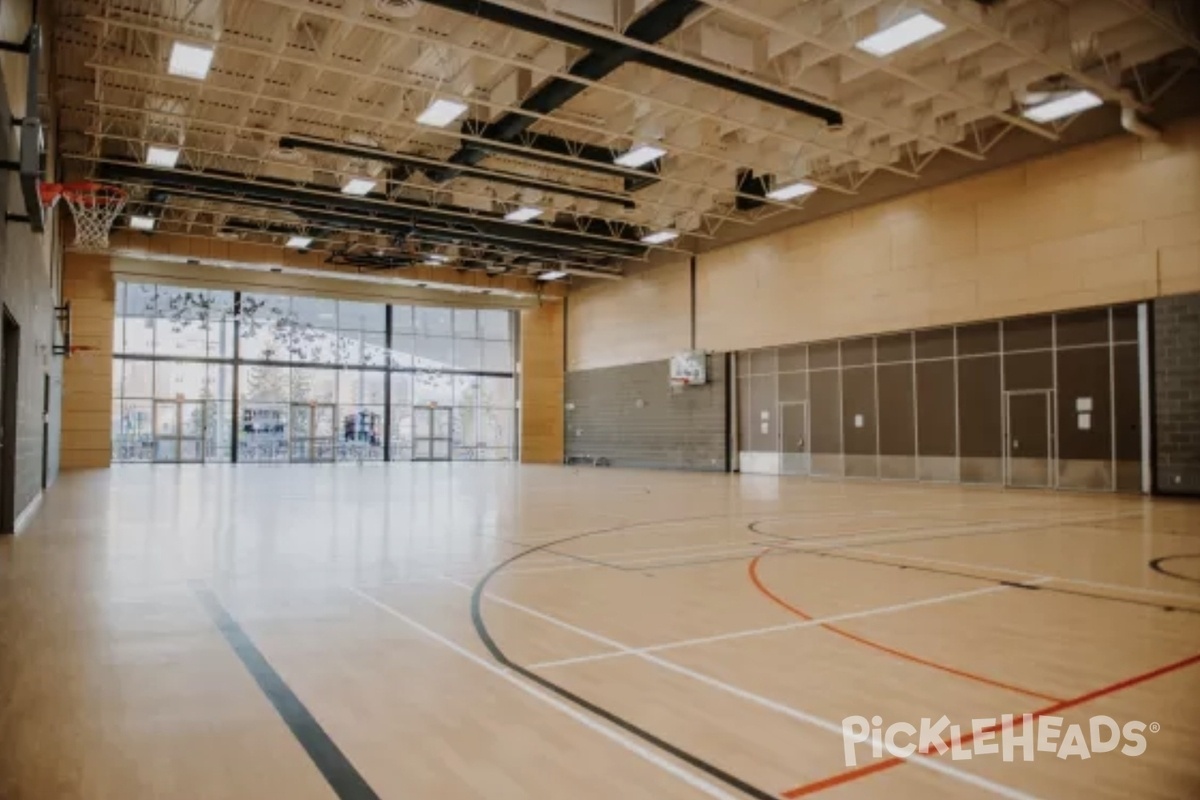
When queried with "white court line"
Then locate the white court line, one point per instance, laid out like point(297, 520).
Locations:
point(724, 637)
point(772, 705)
point(1054, 578)
point(587, 721)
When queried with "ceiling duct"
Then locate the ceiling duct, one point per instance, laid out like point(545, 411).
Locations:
point(399, 161)
point(334, 209)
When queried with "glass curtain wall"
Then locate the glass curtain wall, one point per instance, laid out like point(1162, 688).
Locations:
point(203, 375)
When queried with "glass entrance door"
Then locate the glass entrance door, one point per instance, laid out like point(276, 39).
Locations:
point(312, 432)
point(179, 431)
point(431, 433)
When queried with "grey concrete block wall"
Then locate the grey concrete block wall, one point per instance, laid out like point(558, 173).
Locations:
point(27, 290)
point(1177, 394)
point(629, 416)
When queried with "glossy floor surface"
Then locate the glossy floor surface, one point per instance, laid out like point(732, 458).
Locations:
point(496, 631)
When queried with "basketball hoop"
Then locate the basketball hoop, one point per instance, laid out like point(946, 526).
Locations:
point(94, 206)
point(81, 349)
point(679, 384)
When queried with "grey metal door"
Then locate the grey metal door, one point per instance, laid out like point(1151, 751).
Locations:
point(793, 438)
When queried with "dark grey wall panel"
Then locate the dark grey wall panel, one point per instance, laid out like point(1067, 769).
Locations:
point(858, 411)
point(825, 411)
point(630, 416)
point(1177, 393)
point(1083, 377)
point(897, 423)
point(936, 432)
point(980, 424)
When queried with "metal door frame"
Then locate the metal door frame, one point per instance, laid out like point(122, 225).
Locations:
point(179, 438)
point(448, 438)
point(1051, 476)
point(312, 438)
point(779, 406)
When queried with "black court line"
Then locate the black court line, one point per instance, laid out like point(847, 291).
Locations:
point(595, 709)
point(1157, 565)
point(346, 781)
point(957, 574)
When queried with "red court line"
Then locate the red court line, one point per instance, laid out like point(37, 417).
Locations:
point(888, 763)
point(754, 578)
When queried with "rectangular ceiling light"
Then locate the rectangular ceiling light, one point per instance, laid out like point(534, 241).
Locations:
point(1063, 106)
point(141, 223)
point(639, 156)
point(791, 191)
point(660, 237)
point(299, 242)
point(158, 156)
point(441, 113)
point(190, 61)
point(900, 35)
point(358, 186)
point(435, 258)
point(552, 275)
point(523, 214)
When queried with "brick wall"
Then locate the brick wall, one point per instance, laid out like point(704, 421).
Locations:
point(630, 416)
point(1177, 393)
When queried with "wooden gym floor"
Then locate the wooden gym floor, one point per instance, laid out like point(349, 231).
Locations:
point(471, 631)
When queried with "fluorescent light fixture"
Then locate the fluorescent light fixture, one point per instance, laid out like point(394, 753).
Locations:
point(901, 35)
point(791, 191)
point(552, 275)
point(141, 223)
point(435, 258)
point(299, 242)
point(159, 156)
point(441, 113)
point(1063, 106)
point(358, 186)
point(190, 61)
point(660, 237)
point(523, 214)
point(639, 156)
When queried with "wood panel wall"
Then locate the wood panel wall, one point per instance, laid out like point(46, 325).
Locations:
point(87, 376)
point(542, 384)
point(1111, 222)
point(646, 317)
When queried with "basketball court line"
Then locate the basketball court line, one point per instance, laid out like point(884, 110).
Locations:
point(752, 572)
point(742, 634)
point(625, 742)
point(894, 761)
point(735, 691)
point(1121, 587)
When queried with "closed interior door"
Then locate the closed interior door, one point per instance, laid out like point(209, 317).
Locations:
point(432, 431)
point(793, 438)
point(1028, 451)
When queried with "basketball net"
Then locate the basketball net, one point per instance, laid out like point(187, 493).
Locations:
point(94, 206)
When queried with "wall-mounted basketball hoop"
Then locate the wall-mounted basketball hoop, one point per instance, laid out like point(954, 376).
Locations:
point(95, 207)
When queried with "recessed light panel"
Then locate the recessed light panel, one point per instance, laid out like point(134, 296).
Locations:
point(1063, 106)
point(639, 156)
point(441, 113)
point(158, 156)
point(140, 222)
point(552, 275)
point(358, 186)
point(190, 61)
point(901, 35)
point(299, 242)
point(523, 214)
point(791, 191)
point(660, 237)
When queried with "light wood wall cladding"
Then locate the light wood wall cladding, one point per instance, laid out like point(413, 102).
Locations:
point(234, 252)
point(646, 317)
point(1107, 223)
point(542, 384)
point(87, 376)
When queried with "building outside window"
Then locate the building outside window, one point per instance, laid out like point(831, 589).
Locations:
point(207, 376)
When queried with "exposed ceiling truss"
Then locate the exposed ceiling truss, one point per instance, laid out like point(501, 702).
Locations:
point(742, 95)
